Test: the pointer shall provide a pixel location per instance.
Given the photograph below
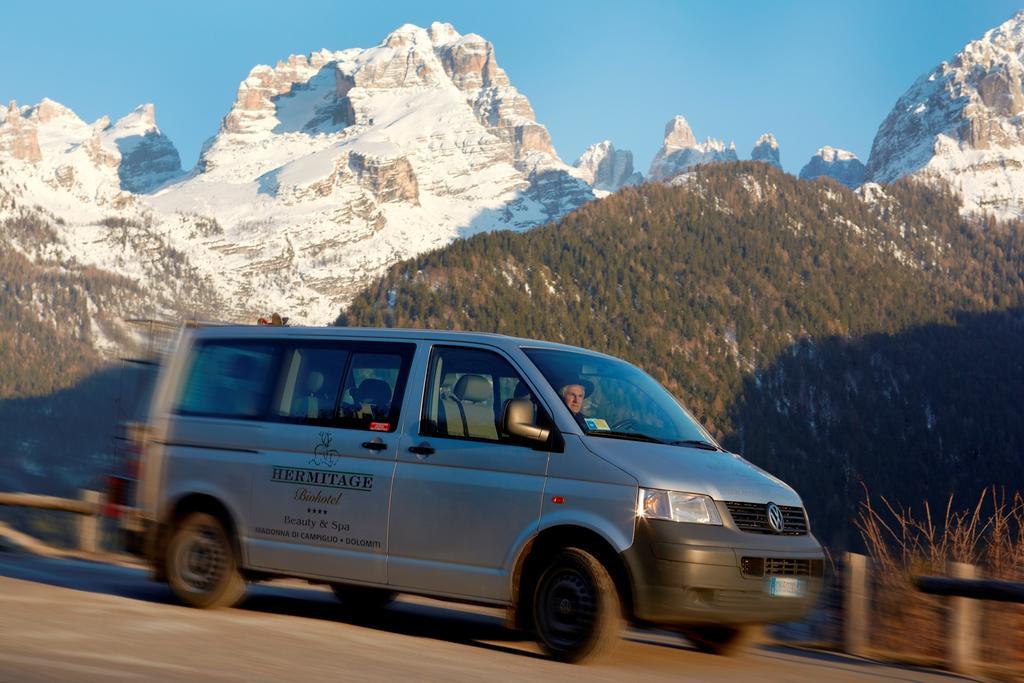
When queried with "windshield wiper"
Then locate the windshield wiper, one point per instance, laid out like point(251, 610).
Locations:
point(632, 436)
point(695, 443)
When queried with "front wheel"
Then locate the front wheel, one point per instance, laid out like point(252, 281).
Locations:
point(202, 567)
point(577, 615)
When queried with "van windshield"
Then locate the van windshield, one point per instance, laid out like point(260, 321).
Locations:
point(611, 398)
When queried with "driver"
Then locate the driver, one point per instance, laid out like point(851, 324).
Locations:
point(573, 392)
point(573, 395)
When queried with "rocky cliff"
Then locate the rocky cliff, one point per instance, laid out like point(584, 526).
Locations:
point(766, 150)
point(962, 123)
point(98, 163)
point(838, 164)
point(606, 168)
point(680, 151)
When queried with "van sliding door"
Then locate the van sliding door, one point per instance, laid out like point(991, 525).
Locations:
point(321, 494)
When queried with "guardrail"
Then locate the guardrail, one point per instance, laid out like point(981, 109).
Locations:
point(964, 590)
point(90, 507)
point(976, 589)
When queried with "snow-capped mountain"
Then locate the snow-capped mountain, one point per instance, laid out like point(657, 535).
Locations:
point(962, 123)
point(838, 164)
point(766, 150)
point(49, 146)
point(327, 169)
point(606, 168)
point(680, 150)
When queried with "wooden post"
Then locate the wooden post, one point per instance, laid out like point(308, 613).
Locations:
point(855, 604)
point(88, 525)
point(964, 624)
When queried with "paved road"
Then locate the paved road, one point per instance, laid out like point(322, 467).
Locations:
point(74, 620)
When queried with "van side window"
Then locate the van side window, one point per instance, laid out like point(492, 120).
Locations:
point(308, 383)
point(230, 379)
point(371, 394)
point(467, 391)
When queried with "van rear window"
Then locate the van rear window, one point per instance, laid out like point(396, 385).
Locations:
point(371, 395)
point(228, 379)
point(309, 380)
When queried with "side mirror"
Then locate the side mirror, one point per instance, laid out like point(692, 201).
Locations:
point(518, 421)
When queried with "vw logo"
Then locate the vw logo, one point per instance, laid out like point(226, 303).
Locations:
point(775, 520)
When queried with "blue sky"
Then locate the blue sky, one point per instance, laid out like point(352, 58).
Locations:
point(812, 73)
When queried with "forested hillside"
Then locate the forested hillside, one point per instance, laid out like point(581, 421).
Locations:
point(46, 341)
point(831, 339)
point(62, 386)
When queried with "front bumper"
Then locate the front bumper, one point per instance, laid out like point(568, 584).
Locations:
point(694, 573)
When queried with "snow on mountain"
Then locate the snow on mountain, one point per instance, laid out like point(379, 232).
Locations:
point(838, 164)
point(63, 173)
point(962, 123)
point(327, 169)
point(94, 162)
point(606, 168)
point(766, 150)
point(680, 150)
point(52, 148)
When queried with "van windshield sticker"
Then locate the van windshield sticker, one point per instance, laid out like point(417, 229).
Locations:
point(380, 426)
point(597, 424)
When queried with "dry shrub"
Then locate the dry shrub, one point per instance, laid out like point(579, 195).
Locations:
point(1003, 623)
point(903, 544)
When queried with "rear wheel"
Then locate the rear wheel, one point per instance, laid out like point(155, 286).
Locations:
point(362, 599)
point(577, 615)
point(202, 566)
point(717, 639)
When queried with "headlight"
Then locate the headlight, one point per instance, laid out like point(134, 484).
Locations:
point(676, 506)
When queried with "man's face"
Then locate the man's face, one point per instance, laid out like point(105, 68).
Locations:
point(573, 395)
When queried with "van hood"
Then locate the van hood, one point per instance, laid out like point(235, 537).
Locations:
point(723, 476)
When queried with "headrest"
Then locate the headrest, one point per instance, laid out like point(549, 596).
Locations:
point(522, 391)
point(376, 392)
point(314, 381)
point(473, 388)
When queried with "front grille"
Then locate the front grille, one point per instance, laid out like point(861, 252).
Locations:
point(753, 517)
point(781, 566)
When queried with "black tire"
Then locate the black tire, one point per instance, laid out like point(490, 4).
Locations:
point(577, 614)
point(202, 565)
point(362, 599)
point(717, 639)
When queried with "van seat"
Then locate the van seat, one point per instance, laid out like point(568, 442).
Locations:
point(314, 382)
point(372, 398)
point(473, 395)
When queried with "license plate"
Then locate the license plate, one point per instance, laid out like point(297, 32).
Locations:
point(785, 587)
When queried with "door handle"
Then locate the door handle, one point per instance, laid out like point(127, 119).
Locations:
point(375, 445)
point(423, 449)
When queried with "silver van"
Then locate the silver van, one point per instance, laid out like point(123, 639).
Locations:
point(565, 485)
